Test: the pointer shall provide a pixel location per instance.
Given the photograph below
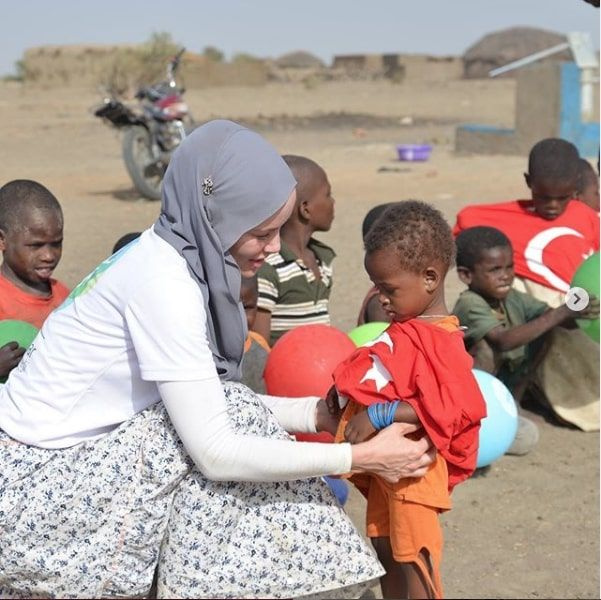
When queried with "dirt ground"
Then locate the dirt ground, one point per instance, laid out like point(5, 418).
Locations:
point(528, 528)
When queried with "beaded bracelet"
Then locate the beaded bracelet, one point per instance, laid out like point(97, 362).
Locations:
point(381, 414)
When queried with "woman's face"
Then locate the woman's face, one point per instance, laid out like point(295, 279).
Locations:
point(252, 248)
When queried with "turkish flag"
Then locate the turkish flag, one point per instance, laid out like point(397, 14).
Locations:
point(547, 252)
point(427, 367)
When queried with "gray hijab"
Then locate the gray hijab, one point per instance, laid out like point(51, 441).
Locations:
point(222, 181)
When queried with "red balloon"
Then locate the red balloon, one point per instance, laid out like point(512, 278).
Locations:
point(301, 363)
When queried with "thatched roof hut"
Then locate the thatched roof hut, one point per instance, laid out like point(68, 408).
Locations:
point(299, 59)
point(502, 47)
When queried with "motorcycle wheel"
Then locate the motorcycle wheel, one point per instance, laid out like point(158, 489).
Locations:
point(145, 170)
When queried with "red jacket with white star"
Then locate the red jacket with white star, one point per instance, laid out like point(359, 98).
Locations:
point(427, 367)
point(547, 252)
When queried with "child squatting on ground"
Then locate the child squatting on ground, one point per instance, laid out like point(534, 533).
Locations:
point(518, 338)
point(418, 372)
point(31, 241)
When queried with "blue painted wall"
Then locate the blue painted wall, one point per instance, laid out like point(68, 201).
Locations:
point(585, 136)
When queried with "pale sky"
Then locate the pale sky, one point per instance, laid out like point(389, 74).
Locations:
point(270, 28)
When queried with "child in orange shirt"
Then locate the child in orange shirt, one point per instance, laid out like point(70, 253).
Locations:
point(416, 372)
point(31, 240)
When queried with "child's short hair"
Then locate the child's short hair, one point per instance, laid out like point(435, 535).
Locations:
point(554, 159)
point(471, 242)
point(20, 196)
point(372, 216)
point(418, 233)
point(302, 168)
point(586, 174)
point(126, 239)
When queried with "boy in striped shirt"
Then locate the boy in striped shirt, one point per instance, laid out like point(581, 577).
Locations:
point(295, 283)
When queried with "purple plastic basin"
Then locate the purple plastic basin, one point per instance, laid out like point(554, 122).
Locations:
point(414, 152)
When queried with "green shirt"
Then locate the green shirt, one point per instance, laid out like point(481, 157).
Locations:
point(289, 290)
point(474, 313)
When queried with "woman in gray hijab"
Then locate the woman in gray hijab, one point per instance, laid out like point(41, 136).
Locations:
point(126, 441)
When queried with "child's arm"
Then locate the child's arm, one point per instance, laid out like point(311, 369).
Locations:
point(262, 324)
point(10, 356)
point(360, 427)
point(502, 339)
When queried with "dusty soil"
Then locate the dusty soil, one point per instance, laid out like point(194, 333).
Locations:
point(529, 527)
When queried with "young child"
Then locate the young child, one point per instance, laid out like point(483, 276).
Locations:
point(371, 309)
point(126, 239)
point(31, 239)
point(588, 185)
point(416, 372)
point(517, 338)
point(295, 283)
point(552, 232)
point(256, 348)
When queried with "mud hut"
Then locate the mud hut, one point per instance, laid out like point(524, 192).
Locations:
point(502, 47)
point(299, 59)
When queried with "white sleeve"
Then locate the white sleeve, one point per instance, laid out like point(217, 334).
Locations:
point(199, 414)
point(293, 414)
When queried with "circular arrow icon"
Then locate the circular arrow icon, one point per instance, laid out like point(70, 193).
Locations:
point(577, 298)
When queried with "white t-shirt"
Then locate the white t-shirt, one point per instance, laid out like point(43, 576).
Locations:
point(132, 322)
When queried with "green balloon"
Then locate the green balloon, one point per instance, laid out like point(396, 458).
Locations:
point(367, 332)
point(587, 277)
point(16, 331)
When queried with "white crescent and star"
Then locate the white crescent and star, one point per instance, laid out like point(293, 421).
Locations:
point(534, 254)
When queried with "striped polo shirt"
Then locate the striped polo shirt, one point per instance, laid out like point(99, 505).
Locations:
point(289, 290)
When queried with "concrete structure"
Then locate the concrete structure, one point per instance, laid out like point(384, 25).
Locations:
point(548, 104)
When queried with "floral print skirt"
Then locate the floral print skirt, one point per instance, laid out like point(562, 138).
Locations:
point(96, 519)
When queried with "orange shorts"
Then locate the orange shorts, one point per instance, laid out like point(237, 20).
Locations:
point(412, 526)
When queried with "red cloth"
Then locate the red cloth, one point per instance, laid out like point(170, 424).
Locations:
point(547, 252)
point(22, 306)
point(429, 369)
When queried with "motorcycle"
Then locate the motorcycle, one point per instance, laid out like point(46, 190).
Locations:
point(152, 130)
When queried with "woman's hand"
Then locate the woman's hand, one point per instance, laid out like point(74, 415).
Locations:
point(392, 456)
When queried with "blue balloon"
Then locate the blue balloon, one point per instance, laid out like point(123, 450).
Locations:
point(498, 429)
point(339, 488)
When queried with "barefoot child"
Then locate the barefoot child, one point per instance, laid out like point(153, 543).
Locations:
point(520, 339)
point(416, 372)
point(31, 240)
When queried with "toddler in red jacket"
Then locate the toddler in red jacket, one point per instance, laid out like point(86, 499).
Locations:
point(419, 372)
